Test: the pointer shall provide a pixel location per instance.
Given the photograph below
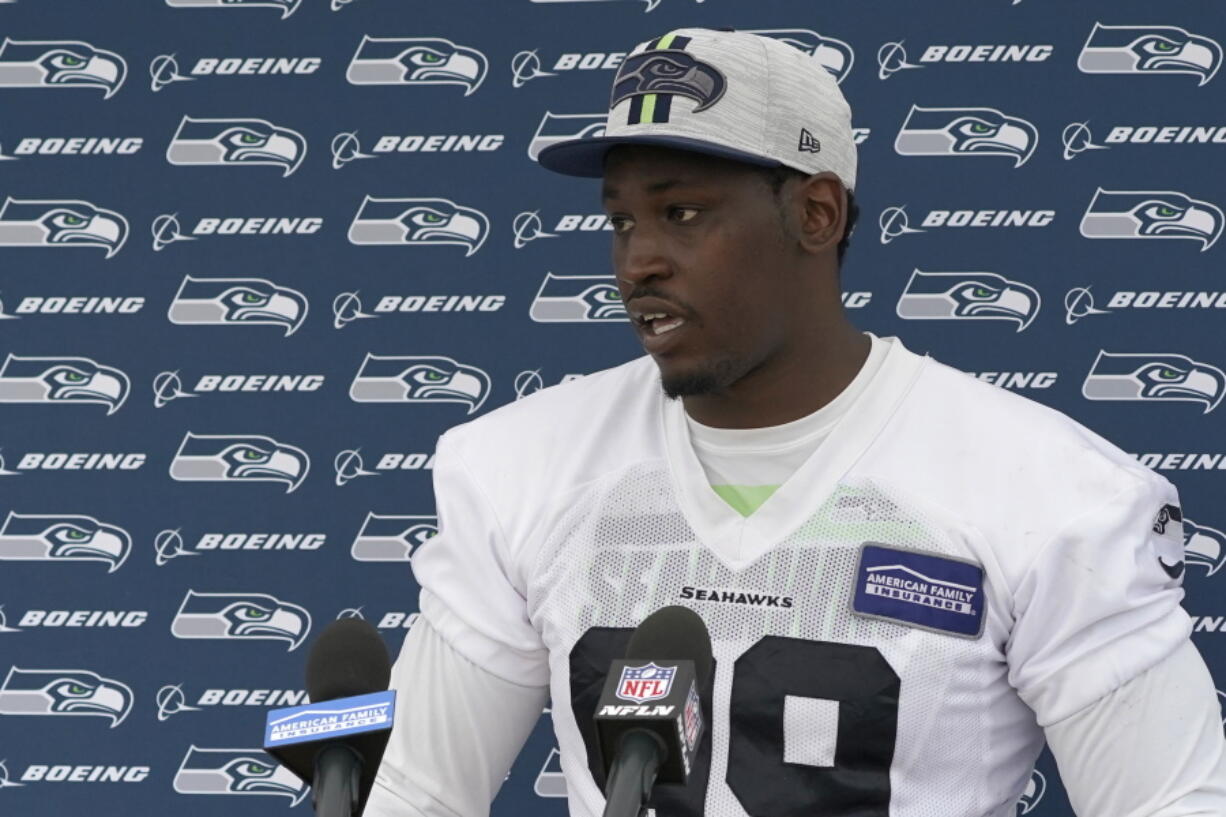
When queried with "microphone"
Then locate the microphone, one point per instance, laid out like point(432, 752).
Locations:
point(649, 716)
point(336, 742)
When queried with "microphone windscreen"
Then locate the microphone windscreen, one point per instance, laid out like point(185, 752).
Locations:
point(348, 658)
point(673, 632)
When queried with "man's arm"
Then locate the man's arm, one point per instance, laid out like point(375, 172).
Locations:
point(458, 729)
point(1152, 748)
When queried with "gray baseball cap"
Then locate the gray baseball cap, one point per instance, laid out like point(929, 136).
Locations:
point(731, 94)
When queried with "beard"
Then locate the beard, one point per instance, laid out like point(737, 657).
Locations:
point(711, 378)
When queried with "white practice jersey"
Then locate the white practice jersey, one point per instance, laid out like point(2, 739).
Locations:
point(953, 568)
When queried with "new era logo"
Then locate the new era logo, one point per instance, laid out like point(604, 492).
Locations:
point(808, 142)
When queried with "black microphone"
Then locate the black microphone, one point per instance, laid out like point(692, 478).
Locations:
point(336, 742)
point(649, 716)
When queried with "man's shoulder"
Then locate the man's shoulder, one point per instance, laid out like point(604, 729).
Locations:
point(1006, 427)
point(1016, 469)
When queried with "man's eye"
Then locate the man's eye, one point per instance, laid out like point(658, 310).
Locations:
point(619, 223)
point(684, 214)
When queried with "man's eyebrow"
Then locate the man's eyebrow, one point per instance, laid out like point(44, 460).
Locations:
point(607, 192)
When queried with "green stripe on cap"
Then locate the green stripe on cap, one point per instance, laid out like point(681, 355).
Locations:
point(649, 100)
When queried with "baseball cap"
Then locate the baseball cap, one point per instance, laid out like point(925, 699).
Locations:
point(725, 93)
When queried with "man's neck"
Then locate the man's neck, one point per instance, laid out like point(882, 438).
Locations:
point(786, 389)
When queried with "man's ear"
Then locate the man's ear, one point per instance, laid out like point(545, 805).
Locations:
point(822, 204)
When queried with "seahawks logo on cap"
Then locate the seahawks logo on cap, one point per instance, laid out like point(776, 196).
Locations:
point(253, 616)
point(412, 379)
point(62, 381)
point(563, 127)
point(237, 301)
point(1152, 214)
point(392, 537)
point(287, 7)
point(577, 299)
point(1131, 376)
point(416, 61)
point(418, 221)
point(1149, 50)
point(239, 458)
point(966, 132)
point(63, 538)
point(236, 142)
point(64, 692)
point(60, 64)
point(237, 771)
point(968, 296)
point(670, 71)
point(60, 223)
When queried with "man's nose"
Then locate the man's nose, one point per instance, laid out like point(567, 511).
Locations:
point(643, 257)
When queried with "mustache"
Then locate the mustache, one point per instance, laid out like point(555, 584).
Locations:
point(649, 292)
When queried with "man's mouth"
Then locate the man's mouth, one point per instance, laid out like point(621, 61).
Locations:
point(657, 323)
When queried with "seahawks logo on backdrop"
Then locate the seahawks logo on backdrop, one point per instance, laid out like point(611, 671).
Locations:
point(416, 61)
point(71, 692)
point(648, 5)
point(669, 71)
point(1036, 787)
point(563, 127)
point(414, 379)
point(239, 458)
point(1152, 214)
point(392, 537)
point(60, 223)
point(551, 780)
point(237, 771)
point(418, 221)
point(63, 538)
point(236, 142)
point(287, 7)
point(243, 616)
point(577, 299)
point(968, 296)
point(60, 64)
point(62, 381)
point(237, 302)
point(966, 132)
point(1159, 376)
point(836, 56)
point(1149, 50)
point(1204, 546)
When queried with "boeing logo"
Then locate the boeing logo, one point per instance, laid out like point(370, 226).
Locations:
point(892, 56)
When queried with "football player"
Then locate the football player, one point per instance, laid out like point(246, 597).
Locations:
point(911, 578)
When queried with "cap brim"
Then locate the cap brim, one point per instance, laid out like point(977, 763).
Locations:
point(585, 157)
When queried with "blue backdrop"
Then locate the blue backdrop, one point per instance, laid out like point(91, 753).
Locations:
point(219, 219)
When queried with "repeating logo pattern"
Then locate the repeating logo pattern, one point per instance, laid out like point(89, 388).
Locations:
point(286, 262)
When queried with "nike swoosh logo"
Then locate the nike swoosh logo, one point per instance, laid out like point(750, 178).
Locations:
point(1174, 571)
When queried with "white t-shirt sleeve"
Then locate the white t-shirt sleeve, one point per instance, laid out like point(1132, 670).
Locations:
point(469, 588)
point(456, 732)
point(1097, 607)
point(1152, 748)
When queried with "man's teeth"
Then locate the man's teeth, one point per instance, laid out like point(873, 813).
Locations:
point(667, 325)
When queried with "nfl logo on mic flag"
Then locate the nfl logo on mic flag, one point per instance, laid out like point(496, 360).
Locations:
point(646, 683)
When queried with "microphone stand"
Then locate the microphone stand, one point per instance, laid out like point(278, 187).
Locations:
point(633, 775)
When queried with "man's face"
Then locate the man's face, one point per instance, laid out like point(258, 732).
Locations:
point(699, 239)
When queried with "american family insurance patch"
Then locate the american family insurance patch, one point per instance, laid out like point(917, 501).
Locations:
point(919, 589)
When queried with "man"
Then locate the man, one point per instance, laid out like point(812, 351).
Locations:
point(910, 577)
